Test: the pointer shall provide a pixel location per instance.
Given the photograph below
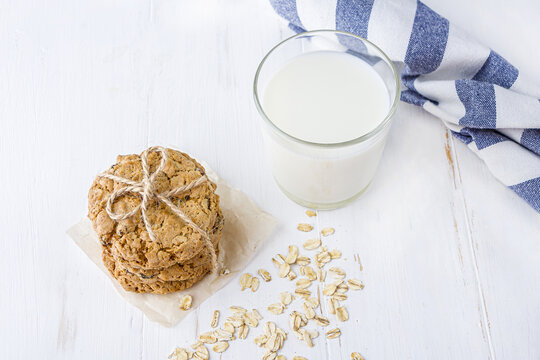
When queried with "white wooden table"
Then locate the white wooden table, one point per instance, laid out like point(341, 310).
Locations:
point(450, 256)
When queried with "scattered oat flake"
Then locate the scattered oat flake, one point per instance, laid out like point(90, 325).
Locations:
point(292, 255)
point(342, 314)
point(299, 358)
point(276, 308)
point(356, 356)
point(245, 281)
point(220, 346)
point(355, 284)
point(304, 227)
point(310, 273)
point(311, 213)
point(334, 333)
point(327, 231)
point(291, 275)
point(185, 302)
point(321, 320)
point(284, 270)
point(179, 354)
point(286, 298)
point(312, 244)
point(265, 275)
point(255, 284)
point(215, 319)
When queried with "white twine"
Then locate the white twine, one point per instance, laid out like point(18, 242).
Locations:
point(147, 191)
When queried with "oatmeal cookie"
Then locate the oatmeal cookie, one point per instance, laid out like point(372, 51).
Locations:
point(179, 257)
point(177, 241)
point(178, 272)
point(131, 282)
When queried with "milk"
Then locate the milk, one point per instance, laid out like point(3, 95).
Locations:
point(324, 98)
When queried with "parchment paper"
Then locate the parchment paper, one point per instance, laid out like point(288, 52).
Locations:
point(246, 227)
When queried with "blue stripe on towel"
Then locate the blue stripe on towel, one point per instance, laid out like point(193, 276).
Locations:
point(529, 191)
point(531, 140)
point(427, 42)
point(479, 101)
point(353, 16)
point(497, 70)
point(482, 138)
point(412, 97)
point(464, 138)
point(287, 9)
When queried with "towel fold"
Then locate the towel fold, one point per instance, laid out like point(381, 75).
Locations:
point(483, 99)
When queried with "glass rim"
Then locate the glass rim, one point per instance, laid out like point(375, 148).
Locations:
point(357, 140)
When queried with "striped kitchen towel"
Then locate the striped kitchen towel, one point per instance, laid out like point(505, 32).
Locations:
point(483, 99)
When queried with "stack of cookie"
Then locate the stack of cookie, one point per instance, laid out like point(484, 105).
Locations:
point(173, 254)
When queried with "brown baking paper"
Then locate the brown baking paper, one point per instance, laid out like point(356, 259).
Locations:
point(246, 227)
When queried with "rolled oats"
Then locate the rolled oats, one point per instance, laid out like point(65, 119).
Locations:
point(304, 227)
point(220, 346)
point(265, 275)
point(312, 244)
point(311, 213)
point(323, 257)
point(330, 289)
point(245, 281)
point(223, 335)
point(303, 260)
point(179, 354)
point(292, 255)
point(276, 308)
point(335, 254)
point(334, 333)
point(356, 356)
point(321, 274)
point(284, 269)
point(308, 310)
point(243, 332)
point(339, 297)
point(215, 319)
point(342, 314)
point(332, 306)
point(355, 284)
point(208, 337)
point(312, 301)
point(269, 356)
point(260, 340)
point(229, 327)
point(237, 309)
point(337, 272)
point(321, 320)
point(291, 275)
point(327, 231)
point(185, 302)
point(306, 337)
point(302, 292)
point(286, 298)
point(303, 283)
point(310, 273)
point(256, 314)
point(255, 284)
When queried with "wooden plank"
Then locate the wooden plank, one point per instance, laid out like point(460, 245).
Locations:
point(448, 253)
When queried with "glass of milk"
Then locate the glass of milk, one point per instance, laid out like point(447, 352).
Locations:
point(327, 99)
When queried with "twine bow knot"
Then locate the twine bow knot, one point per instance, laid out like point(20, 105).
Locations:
point(147, 191)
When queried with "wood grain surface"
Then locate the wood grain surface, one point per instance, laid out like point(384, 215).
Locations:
point(449, 256)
